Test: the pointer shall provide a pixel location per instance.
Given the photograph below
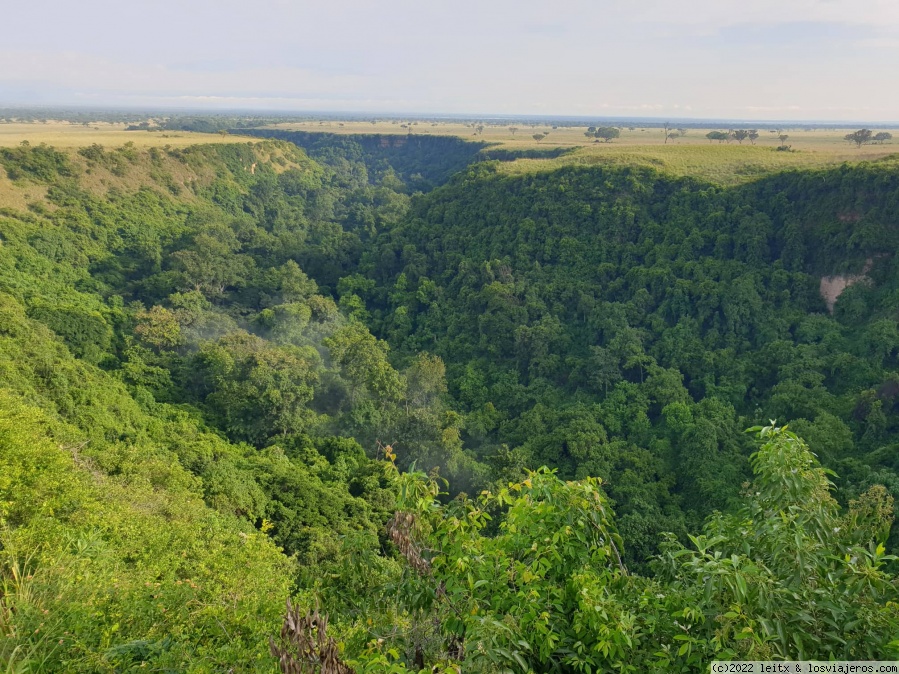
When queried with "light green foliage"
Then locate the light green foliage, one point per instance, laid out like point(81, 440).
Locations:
point(531, 577)
point(128, 520)
point(101, 572)
point(158, 327)
point(790, 574)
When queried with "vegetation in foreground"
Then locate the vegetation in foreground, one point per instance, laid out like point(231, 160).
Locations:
point(237, 373)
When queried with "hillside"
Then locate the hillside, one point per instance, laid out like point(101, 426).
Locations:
point(237, 372)
point(135, 503)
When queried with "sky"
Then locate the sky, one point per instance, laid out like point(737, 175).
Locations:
point(719, 59)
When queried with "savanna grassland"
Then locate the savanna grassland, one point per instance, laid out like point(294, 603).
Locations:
point(689, 155)
point(483, 404)
point(800, 137)
point(62, 134)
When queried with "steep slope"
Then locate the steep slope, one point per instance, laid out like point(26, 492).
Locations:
point(137, 523)
point(621, 323)
point(421, 161)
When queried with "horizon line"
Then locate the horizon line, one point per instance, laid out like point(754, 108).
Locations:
point(466, 116)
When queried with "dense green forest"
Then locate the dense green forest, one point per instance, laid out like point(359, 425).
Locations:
point(484, 422)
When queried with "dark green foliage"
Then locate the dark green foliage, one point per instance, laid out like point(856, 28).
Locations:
point(505, 154)
point(423, 162)
point(85, 332)
point(667, 312)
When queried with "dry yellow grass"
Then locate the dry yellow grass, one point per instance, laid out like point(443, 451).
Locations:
point(821, 140)
point(17, 197)
point(148, 168)
point(65, 135)
point(720, 164)
point(691, 154)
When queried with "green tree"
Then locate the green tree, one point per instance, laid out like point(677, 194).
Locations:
point(210, 264)
point(791, 575)
point(607, 133)
point(158, 327)
point(860, 137)
point(257, 390)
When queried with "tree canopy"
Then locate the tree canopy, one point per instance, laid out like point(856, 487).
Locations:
point(481, 419)
point(860, 137)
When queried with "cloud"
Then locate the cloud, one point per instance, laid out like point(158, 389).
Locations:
point(708, 57)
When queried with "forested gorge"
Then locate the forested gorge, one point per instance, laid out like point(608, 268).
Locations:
point(483, 421)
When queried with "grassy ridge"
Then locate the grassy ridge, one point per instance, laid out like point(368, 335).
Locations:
point(688, 155)
point(68, 135)
point(719, 164)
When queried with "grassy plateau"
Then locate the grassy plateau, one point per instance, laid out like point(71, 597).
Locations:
point(691, 154)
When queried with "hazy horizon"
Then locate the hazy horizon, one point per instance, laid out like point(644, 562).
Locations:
point(803, 61)
point(364, 115)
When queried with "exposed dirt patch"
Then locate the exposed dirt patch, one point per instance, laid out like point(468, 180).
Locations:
point(833, 286)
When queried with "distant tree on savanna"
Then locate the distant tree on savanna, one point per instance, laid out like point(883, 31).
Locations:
point(739, 135)
point(513, 129)
point(860, 137)
point(720, 136)
point(682, 132)
point(538, 136)
point(479, 129)
point(782, 138)
point(882, 137)
point(607, 133)
point(667, 129)
point(753, 135)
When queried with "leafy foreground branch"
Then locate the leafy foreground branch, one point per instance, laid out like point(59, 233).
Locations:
point(530, 579)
